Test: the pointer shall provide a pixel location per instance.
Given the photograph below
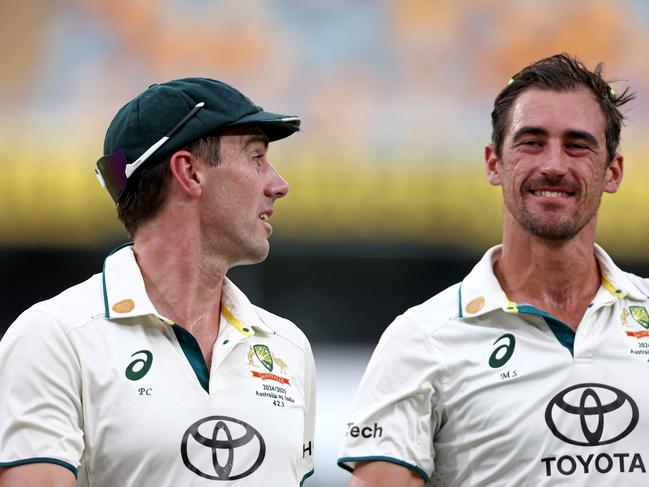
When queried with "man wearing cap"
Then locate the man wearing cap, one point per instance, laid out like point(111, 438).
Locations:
point(158, 371)
point(530, 372)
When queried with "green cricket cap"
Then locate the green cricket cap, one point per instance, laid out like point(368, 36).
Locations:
point(149, 116)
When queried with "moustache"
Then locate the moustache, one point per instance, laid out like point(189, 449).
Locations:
point(556, 183)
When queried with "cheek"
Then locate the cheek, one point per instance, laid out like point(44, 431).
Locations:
point(245, 197)
point(224, 201)
point(594, 177)
point(238, 188)
point(520, 171)
point(511, 179)
point(512, 168)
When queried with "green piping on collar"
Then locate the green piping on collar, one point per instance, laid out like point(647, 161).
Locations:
point(561, 331)
point(103, 276)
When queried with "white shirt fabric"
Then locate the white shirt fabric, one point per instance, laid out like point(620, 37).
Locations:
point(97, 381)
point(470, 389)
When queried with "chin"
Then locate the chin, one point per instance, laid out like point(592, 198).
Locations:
point(555, 230)
point(254, 255)
point(262, 251)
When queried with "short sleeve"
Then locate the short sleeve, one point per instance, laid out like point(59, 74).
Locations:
point(307, 463)
point(40, 387)
point(393, 417)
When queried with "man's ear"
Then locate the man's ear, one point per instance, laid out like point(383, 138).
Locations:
point(185, 169)
point(492, 165)
point(614, 173)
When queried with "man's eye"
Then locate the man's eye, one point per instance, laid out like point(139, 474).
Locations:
point(532, 143)
point(257, 159)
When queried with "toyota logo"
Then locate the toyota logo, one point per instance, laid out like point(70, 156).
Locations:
point(591, 415)
point(222, 448)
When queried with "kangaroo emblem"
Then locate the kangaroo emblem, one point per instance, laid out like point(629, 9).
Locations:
point(251, 355)
point(281, 363)
point(624, 316)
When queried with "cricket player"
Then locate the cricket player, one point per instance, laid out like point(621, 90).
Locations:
point(158, 371)
point(529, 372)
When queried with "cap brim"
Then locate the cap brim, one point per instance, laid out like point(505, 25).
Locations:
point(274, 125)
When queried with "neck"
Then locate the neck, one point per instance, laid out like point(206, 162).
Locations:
point(559, 277)
point(183, 283)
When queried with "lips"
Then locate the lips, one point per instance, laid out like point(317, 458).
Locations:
point(551, 188)
point(265, 215)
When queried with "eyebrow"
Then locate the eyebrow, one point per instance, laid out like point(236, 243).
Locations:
point(523, 131)
point(580, 134)
point(255, 139)
point(569, 134)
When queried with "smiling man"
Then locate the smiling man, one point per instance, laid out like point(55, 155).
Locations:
point(159, 371)
point(527, 372)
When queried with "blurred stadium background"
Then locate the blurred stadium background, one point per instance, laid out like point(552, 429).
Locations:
point(388, 201)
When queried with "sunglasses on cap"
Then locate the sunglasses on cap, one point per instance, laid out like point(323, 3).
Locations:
point(114, 170)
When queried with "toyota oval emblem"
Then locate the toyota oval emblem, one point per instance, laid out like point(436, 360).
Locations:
point(591, 414)
point(222, 448)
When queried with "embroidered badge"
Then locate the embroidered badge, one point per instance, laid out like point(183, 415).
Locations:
point(638, 327)
point(475, 305)
point(124, 306)
point(639, 313)
point(261, 354)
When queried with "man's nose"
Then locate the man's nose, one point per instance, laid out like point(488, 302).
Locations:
point(556, 161)
point(277, 186)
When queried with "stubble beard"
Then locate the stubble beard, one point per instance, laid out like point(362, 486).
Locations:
point(253, 250)
point(558, 229)
point(237, 250)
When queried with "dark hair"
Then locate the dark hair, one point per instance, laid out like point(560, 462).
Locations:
point(147, 188)
point(562, 72)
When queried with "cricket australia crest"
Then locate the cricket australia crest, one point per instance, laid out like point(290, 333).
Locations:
point(263, 354)
point(639, 313)
point(640, 317)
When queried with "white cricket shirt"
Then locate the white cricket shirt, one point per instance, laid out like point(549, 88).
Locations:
point(470, 389)
point(97, 381)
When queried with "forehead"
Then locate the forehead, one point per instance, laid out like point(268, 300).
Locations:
point(557, 111)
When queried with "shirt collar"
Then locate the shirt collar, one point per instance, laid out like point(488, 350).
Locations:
point(480, 291)
point(615, 280)
point(239, 311)
point(125, 295)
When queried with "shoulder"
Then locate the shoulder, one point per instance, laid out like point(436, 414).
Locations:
point(436, 311)
point(418, 327)
point(47, 331)
point(71, 309)
point(642, 283)
point(283, 327)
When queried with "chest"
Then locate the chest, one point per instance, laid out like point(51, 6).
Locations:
point(144, 405)
point(519, 400)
